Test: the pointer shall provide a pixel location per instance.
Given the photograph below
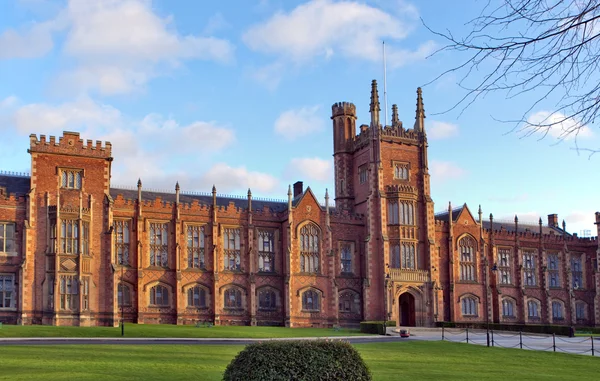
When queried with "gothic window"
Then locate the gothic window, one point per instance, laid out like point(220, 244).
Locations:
point(266, 251)
point(395, 256)
point(85, 293)
point(529, 268)
point(7, 238)
point(311, 301)
point(159, 244)
point(231, 249)
point(233, 298)
point(408, 256)
point(401, 171)
point(553, 270)
point(508, 308)
point(123, 295)
point(7, 291)
point(393, 214)
point(159, 296)
point(407, 213)
point(71, 179)
point(197, 297)
point(309, 249)
point(349, 302)
point(346, 258)
point(68, 292)
point(85, 238)
point(467, 258)
point(195, 247)
point(533, 309)
point(557, 310)
point(576, 271)
point(122, 242)
point(469, 306)
point(504, 265)
point(580, 310)
point(362, 174)
point(69, 234)
point(53, 236)
point(50, 300)
point(266, 300)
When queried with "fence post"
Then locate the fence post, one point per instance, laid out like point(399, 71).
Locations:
point(442, 333)
point(554, 342)
point(521, 339)
point(592, 338)
point(467, 335)
point(492, 337)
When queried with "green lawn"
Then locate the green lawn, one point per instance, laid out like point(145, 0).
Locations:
point(163, 330)
point(388, 361)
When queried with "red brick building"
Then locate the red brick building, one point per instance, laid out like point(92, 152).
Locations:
point(76, 251)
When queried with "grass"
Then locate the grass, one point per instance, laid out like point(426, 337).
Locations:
point(164, 330)
point(388, 361)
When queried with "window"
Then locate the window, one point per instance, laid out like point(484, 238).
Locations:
point(85, 294)
point(580, 310)
point(362, 174)
point(309, 249)
point(408, 256)
point(533, 309)
point(69, 234)
point(557, 310)
point(395, 262)
point(7, 291)
point(266, 300)
point(553, 270)
point(7, 238)
point(529, 268)
point(401, 171)
point(122, 242)
point(407, 213)
point(85, 238)
point(349, 302)
point(469, 306)
point(158, 244)
point(197, 297)
point(467, 258)
point(504, 265)
point(71, 179)
point(266, 251)
point(159, 296)
point(393, 214)
point(233, 298)
point(508, 308)
point(123, 295)
point(576, 272)
point(311, 301)
point(346, 257)
point(231, 244)
point(68, 292)
point(195, 247)
point(53, 237)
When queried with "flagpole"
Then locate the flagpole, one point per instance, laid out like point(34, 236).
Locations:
point(384, 86)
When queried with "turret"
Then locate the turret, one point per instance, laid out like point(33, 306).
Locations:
point(343, 115)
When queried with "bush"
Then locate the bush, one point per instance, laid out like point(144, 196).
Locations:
point(375, 327)
point(298, 360)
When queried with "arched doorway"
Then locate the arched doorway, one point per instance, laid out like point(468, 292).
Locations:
point(407, 310)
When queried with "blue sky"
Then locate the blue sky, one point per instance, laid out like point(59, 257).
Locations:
point(239, 94)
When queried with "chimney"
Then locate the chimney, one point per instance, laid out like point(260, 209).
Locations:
point(553, 220)
point(297, 188)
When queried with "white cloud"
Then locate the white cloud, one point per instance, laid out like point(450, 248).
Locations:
point(442, 171)
point(269, 75)
point(325, 28)
point(8, 102)
point(441, 130)
point(229, 179)
point(299, 122)
point(32, 42)
point(311, 168)
point(556, 125)
point(215, 23)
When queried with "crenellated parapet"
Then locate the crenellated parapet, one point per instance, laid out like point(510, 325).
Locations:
point(361, 140)
point(399, 133)
point(343, 109)
point(70, 144)
point(400, 188)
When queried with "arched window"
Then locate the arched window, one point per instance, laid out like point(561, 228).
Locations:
point(267, 300)
point(311, 301)
point(309, 249)
point(557, 310)
point(123, 295)
point(159, 296)
point(508, 308)
point(346, 258)
point(233, 298)
point(469, 306)
point(349, 302)
point(197, 297)
point(580, 308)
point(533, 309)
point(467, 258)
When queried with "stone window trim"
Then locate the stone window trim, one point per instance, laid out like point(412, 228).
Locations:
point(508, 307)
point(263, 304)
point(529, 267)
point(467, 258)
point(71, 178)
point(8, 290)
point(504, 261)
point(231, 256)
point(127, 295)
point(188, 291)
point(363, 173)
point(266, 249)
point(153, 287)
point(473, 302)
point(534, 309)
point(196, 254)
point(347, 255)
point(304, 299)
point(8, 238)
point(581, 310)
point(577, 269)
point(236, 290)
point(557, 309)
point(122, 241)
point(349, 299)
point(309, 236)
point(164, 261)
point(401, 170)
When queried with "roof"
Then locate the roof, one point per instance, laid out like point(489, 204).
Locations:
point(17, 183)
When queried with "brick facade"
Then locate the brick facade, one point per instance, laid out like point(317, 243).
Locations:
point(81, 252)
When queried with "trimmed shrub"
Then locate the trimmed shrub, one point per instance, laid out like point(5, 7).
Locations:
point(375, 327)
point(298, 360)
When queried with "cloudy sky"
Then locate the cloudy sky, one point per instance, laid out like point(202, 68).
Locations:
point(238, 93)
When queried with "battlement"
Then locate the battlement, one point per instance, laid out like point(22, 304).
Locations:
point(70, 143)
point(343, 108)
